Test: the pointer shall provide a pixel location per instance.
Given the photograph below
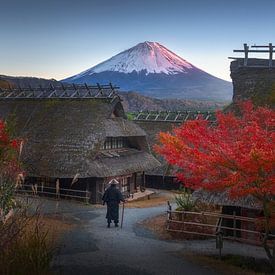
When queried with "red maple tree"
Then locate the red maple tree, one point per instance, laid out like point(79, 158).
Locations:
point(9, 169)
point(235, 153)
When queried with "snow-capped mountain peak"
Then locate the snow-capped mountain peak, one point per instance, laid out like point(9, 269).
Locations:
point(153, 70)
point(150, 57)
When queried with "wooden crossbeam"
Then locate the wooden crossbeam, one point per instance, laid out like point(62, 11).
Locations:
point(188, 113)
point(139, 114)
point(147, 116)
point(168, 113)
point(157, 116)
point(262, 49)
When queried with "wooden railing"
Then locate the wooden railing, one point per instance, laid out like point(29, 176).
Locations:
point(209, 224)
point(270, 49)
point(58, 193)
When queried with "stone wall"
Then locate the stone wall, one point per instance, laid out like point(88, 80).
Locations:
point(253, 82)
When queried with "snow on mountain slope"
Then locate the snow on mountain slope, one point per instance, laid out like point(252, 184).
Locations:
point(151, 57)
point(151, 69)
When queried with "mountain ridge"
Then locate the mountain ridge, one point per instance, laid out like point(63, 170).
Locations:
point(153, 70)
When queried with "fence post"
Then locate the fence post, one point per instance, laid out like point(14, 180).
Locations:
point(270, 54)
point(234, 224)
point(169, 214)
point(169, 210)
point(245, 54)
point(87, 197)
point(219, 243)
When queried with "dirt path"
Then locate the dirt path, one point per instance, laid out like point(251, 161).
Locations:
point(92, 248)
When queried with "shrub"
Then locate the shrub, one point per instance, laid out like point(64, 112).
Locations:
point(25, 245)
point(185, 202)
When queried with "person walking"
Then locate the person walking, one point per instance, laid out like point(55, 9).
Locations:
point(112, 197)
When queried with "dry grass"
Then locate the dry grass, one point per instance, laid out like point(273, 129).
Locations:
point(160, 198)
point(28, 243)
point(157, 224)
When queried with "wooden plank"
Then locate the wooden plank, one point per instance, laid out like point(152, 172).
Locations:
point(253, 51)
point(213, 214)
point(270, 54)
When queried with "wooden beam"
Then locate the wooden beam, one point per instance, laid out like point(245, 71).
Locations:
point(246, 48)
point(270, 54)
point(254, 51)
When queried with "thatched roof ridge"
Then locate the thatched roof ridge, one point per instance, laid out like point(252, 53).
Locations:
point(173, 116)
point(61, 91)
point(64, 137)
point(223, 199)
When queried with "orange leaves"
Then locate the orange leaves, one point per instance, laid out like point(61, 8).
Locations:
point(236, 153)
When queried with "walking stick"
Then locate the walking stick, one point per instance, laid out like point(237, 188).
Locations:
point(122, 216)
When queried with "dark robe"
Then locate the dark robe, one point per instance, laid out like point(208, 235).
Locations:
point(112, 197)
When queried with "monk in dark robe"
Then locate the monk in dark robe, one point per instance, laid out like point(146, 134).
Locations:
point(112, 197)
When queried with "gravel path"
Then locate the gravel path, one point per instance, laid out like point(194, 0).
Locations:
point(92, 248)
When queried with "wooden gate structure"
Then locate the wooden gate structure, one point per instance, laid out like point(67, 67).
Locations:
point(252, 62)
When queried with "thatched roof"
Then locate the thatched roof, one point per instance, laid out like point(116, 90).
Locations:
point(152, 129)
point(64, 136)
point(223, 199)
point(154, 122)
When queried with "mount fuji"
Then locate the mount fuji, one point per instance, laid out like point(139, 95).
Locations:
point(153, 70)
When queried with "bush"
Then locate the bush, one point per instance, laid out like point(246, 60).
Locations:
point(185, 202)
point(24, 245)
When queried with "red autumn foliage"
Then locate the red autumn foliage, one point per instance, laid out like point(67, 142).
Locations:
point(9, 151)
point(237, 153)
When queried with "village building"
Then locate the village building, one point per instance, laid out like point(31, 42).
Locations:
point(77, 137)
point(154, 122)
point(248, 207)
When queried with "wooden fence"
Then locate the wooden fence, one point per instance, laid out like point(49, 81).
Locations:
point(258, 49)
point(58, 193)
point(209, 224)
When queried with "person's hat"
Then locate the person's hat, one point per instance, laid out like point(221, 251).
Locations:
point(113, 182)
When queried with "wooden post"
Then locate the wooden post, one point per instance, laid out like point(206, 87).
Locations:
point(169, 209)
point(169, 214)
point(234, 224)
point(87, 196)
point(219, 243)
point(270, 55)
point(246, 48)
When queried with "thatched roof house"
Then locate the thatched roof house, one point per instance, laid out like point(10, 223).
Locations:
point(153, 123)
point(81, 130)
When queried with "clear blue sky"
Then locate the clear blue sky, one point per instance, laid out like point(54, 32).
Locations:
point(59, 38)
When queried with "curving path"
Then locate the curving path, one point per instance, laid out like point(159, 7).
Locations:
point(92, 248)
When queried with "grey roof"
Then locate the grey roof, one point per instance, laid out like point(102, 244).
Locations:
point(223, 198)
point(63, 136)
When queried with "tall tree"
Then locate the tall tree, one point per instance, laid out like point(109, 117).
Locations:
point(236, 153)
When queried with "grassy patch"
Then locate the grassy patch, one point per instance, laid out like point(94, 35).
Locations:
point(157, 199)
point(28, 244)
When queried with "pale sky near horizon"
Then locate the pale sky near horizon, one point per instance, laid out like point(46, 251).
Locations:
point(60, 38)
